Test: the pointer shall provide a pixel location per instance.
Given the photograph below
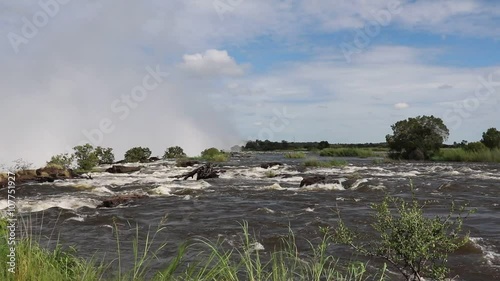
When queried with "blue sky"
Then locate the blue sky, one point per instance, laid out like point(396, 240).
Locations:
point(253, 69)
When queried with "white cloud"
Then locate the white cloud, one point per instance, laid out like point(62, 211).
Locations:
point(401, 105)
point(211, 63)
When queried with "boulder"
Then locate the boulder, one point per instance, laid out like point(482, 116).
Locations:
point(270, 164)
point(118, 169)
point(312, 180)
point(206, 171)
point(153, 159)
point(119, 200)
point(187, 163)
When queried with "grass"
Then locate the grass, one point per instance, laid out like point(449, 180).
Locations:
point(325, 164)
point(461, 155)
point(347, 152)
point(295, 155)
point(213, 261)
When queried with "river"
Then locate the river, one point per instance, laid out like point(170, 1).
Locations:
point(215, 208)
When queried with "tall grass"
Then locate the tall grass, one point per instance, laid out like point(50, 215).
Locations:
point(347, 152)
point(461, 155)
point(213, 261)
point(295, 155)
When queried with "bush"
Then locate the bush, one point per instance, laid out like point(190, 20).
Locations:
point(346, 152)
point(414, 244)
point(174, 152)
point(295, 155)
point(63, 160)
point(86, 158)
point(215, 155)
point(137, 154)
point(475, 147)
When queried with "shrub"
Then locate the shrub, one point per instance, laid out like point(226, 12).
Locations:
point(475, 147)
point(213, 154)
point(295, 155)
point(86, 158)
point(64, 160)
point(137, 154)
point(346, 152)
point(174, 152)
point(414, 244)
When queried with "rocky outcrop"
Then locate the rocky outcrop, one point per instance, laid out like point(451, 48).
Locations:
point(118, 169)
point(320, 179)
point(46, 174)
point(119, 200)
point(207, 171)
point(312, 180)
point(187, 163)
point(270, 164)
point(153, 159)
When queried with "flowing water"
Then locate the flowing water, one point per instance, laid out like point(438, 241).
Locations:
point(215, 208)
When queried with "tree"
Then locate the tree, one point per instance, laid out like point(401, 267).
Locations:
point(86, 158)
point(411, 242)
point(64, 160)
point(323, 145)
point(137, 154)
point(491, 138)
point(174, 152)
point(105, 155)
point(475, 147)
point(417, 138)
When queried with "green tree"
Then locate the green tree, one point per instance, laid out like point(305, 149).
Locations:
point(413, 243)
point(475, 147)
point(105, 155)
point(417, 138)
point(64, 160)
point(137, 154)
point(323, 145)
point(86, 158)
point(174, 152)
point(491, 138)
point(213, 154)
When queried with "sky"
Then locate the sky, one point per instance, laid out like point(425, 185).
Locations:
point(203, 73)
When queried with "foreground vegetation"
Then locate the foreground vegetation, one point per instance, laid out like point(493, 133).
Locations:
point(405, 238)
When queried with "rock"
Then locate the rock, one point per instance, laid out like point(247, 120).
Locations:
point(118, 169)
point(206, 171)
point(46, 174)
point(312, 180)
point(153, 159)
point(118, 200)
point(270, 164)
point(187, 163)
point(120, 162)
